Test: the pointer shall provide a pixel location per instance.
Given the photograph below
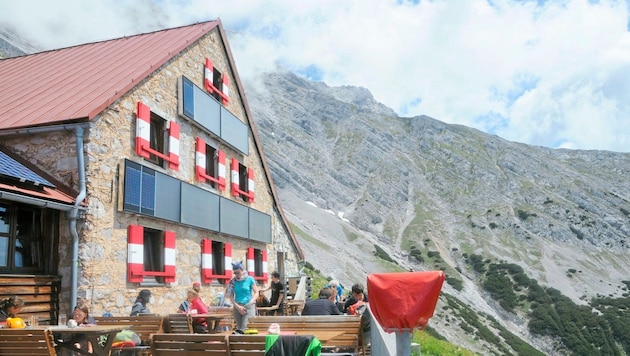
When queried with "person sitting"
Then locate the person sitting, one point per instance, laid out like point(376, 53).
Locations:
point(358, 295)
point(197, 306)
point(140, 306)
point(185, 307)
point(277, 293)
point(356, 304)
point(10, 307)
point(81, 315)
point(334, 284)
point(324, 305)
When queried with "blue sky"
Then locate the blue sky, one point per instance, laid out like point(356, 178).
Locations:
point(547, 73)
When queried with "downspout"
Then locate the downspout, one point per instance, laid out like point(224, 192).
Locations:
point(75, 214)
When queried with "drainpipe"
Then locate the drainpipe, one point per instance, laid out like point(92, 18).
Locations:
point(74, 215)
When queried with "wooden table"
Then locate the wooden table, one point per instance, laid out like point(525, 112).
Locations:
point(266, 310)
point(292, 307)
point(92, 334)
point(213, 320)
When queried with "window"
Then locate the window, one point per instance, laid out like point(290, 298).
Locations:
point(157, 133)
point(257, 264)
point(157, 140)
point(216, 83)
point(21, 242)
point(216, 261)
point(150, 255)
point(242, 181)
point(210, 164)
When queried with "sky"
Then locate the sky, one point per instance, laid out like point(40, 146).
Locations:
point(545, 73)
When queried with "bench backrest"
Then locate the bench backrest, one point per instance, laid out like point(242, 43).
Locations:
point(246, 345)
point(26, 342)
point(348, 325)
point(189, 344)
point(179, 323)
point(144, 325)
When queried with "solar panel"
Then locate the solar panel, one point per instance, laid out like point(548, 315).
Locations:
point(13, 169)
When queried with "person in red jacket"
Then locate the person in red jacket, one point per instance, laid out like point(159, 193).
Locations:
point(197, 306)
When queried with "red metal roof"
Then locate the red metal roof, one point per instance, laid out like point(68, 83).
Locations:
point(46, 193)
point(76, 83)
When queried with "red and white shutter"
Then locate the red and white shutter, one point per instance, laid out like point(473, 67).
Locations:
point(264, 266)
point(228, 261)
point(236, 192)
point(206, 261)
point(135, 253)
point(143, 129)
point(200, 159)
point(251, 265)
point(250, 184)
point(208, 75)
point(225, 89)
point(222, 170)
point(173, 145)
point(169, 256)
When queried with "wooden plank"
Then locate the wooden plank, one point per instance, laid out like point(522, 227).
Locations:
point(246, 345)
point(26, 342)
point(179, 323)
point(349, 327)
point(188, 344)
point(144, 325)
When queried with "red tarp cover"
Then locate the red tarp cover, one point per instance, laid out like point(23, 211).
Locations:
point(404, 301)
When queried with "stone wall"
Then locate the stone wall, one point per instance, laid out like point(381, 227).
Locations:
point(103, 228)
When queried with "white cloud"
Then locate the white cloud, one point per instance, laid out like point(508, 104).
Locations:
point(544, 73)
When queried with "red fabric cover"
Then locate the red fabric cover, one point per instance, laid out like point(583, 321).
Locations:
point(404, 301)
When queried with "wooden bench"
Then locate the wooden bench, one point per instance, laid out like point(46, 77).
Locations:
point(190, 344)
point(178, 323)
point(349, 327)
point(143, 326)
point(246, 345)
point(26, 342)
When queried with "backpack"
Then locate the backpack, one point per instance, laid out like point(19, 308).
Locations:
point(357, 308)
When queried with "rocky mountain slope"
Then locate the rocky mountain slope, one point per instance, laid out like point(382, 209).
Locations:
point(368, 191)
point(360, 183)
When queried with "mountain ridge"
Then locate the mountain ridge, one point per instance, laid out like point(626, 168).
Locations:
point(355, 178)
point(367, 191)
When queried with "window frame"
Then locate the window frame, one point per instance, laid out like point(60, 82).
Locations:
point(149, 265)
point(39, 260)
point(257, 264)
point(216, 261)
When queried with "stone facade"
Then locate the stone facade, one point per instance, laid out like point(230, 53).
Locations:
point(102, 261)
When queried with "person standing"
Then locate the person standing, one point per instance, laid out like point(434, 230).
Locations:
point(277, 293)
point(324, 305)
point(242, 291)
point(140, 306)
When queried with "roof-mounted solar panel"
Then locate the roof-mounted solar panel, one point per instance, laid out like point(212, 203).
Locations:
point(15, 170)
